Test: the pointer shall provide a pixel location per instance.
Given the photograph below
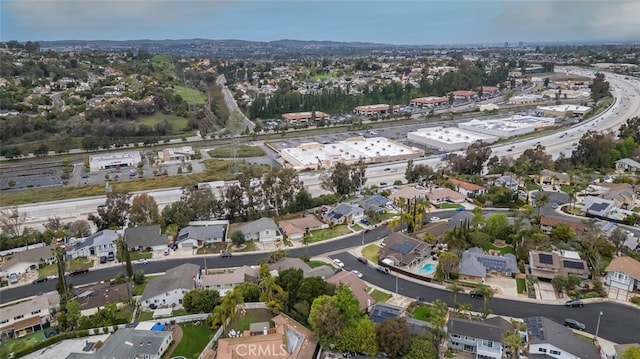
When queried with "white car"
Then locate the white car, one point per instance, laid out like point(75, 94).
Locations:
point(434, 219)
point(53, 276)
point(338, 263)
point(357, 273)
point(142, 261)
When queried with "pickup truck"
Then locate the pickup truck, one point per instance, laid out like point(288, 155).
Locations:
point(78, 271)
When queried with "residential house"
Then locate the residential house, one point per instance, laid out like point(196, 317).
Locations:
point(623, 273)
point(196, 236)
point(481, 338)
point(358, 287)
point(376, 203)
point(474, 264)
point(380, 312)
point(325, 271)
point(506, 181)
point(295, 229)
point(620, 193)
point(168, 289)
point(229, 279)
point(627, 165)
point(548, 339)
point(135, 343)
point(22, 262)
point(264, 229)
point(444, 195)
point(405, 193)
point(28, 316)
point(98, 244)
point(548, 265)
point(466, 188)
point(597, 207)
point(553, 178)
point(403, 250)
point(140, 238)
point(547, 224)
point(288, 340)
point(344, 213)
point(95, 297)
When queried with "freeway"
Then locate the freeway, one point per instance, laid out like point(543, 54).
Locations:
point(619, 323)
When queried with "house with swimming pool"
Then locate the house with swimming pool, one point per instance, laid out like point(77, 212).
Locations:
point(401, 250)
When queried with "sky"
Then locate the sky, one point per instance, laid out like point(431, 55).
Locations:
point(400, 22)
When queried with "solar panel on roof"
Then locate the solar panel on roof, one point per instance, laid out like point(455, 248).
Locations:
point(574, 265)
point(545, 258)
point(405, 247)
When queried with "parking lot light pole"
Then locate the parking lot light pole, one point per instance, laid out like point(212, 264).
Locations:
point(598, 326)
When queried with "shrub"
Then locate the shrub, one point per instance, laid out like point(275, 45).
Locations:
point(635, 300)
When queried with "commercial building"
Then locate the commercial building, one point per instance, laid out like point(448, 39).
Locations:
point(490, 90)
point(375, 110)
point(114, 160)
point(565, 110)
point(525, 99)
point(181, 154)
point(429, 102)
point(567, 94)
point(299, 118)
point(508, 127)
point(313, 155)
point(447, 139)
point(463, 95)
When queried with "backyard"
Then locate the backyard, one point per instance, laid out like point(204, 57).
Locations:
point(194, 340)
point(423, 312)
point(503, 250)
point(242, 322)
point(328, 233)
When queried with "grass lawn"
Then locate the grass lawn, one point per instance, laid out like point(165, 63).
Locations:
point(315, 264)
point(18, 343)
point(178, 124)
point(179, 312)
point(323, 234)
point(243, 151)
point(248, 247)
point(140, 255)
point(531, 186)
point(139, 288)
point(522, 285)
point(242, 322)
point(235, 123)
point(213, 249)
point(162, 63)
point(356, 227)
point(448, 205)
point(145, 316)
point(566, 189)
point(194, 339)
point(423, 312)
point(380, 296)
point(371, 252)
point(383, 217)
point(323, 76)
point(76, 263)
point(503, 250)
point(190, 95)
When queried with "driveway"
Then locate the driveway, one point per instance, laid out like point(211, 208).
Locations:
point(546, 291)
point(503, 285)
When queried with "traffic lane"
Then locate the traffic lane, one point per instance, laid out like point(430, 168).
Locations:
point(619, 323)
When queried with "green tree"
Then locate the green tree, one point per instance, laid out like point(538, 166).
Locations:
point(447, 263)
point(138, 277)
point(498, 226)
point(439, 321)
point(559, 283)
point(201, 300)
point(237, 238)
point(289, 280)
point(394, 337)
point(422, 347)
point(314, 287)
point(114, 213)
point(144, 210)
point(455, 288)
point(513, 342)
point(359, 336)
point(541, 200)
point(631, 353)
point(250, 292)
point(563, 233)
point(325, 320)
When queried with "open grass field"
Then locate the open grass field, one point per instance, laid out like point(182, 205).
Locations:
point(178, 124)
point(324, 234)
point(235, 123)
point(215, 170)
point(371, 252)
point(243, 151)
point(194, 339)
point(189, 95)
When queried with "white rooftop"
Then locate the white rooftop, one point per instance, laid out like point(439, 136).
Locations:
point(114, 156)
point(570, 254)
point(511, 123)
point(355, 148)
point(64, 348)
point(565, 108)
point(526, 96)
point(450, 135)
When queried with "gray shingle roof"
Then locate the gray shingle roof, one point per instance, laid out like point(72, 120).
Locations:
point(341, 210)
point(126, 343)
point(145, 236)
point(180, 277)
point(629, 162)
point(204, 233)
point(490, 329)
point(542, 330)
point(102, 238)
point(503, 263)
point(258, 225)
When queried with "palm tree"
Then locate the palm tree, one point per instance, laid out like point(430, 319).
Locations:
point(306, 239)
point(513, 341)
point(464, 308)
point(541, 200)
point(271, 293)
point(439, 321)
point(487, 294)
point(455, 288)
point(220, 315)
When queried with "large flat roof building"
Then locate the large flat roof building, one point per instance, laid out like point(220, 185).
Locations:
point(447, 139)
point(525, 99)
point(375, 110)
point(185, 153)
point(509, 126)
point(114, 160)
point(315, 155)
point(296, 118)
point(430, 101)
point(565, 110)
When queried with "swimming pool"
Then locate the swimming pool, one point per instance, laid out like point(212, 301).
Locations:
point(428, 268)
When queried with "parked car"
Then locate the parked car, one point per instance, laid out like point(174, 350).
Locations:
point(78, 271)
point(434, 219)
point(382, 269)
point(363, 260)
point(357, 273)
point(338, 262)
point(420, 299)
point(39, 280)
point(225, 255)
point(142, 261)
point(460, 209)
point(13, 278)
point(166, 252)
point(574, 303)
point(475, 294)
point(574, 324)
